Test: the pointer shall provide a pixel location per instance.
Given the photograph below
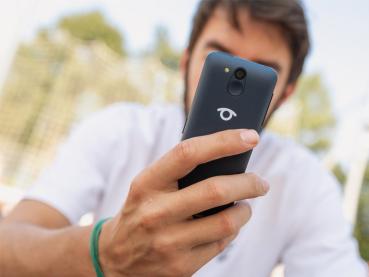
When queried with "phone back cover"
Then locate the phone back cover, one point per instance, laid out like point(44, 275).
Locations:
point(212, 93)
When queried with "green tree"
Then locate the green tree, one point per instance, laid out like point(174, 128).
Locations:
point(93, 26)
point(361, 230)
point(163, 49)
point(340, 174)
point(362, 226)
point(316, 118)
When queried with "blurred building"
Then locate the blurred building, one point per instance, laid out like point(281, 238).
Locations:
point(55, 82)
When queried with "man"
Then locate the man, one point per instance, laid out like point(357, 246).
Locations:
point(124, 163)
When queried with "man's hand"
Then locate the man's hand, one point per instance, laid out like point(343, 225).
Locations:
point(154, 234)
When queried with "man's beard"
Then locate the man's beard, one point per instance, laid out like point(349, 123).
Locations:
point(185, 92)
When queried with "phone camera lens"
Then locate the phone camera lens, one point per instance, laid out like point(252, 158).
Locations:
point(240, 74)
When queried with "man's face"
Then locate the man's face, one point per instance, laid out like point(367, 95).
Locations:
point(258, 41)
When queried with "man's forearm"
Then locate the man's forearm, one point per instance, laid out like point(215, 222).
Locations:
point(27, 250)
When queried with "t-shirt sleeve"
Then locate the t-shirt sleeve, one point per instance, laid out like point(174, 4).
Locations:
point(322, 242)
point(74, 182)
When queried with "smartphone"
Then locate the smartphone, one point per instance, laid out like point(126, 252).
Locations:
point(232, 93)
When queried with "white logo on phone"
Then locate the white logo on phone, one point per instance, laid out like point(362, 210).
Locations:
point(226, 114)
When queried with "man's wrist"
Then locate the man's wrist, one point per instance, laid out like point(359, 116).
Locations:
point(94, 247)
point(103, 246)
point(79, 248)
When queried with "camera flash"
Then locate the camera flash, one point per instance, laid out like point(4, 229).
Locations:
point(226, 70)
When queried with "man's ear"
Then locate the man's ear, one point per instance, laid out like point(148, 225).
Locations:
point(288, 91)
point(183, 63)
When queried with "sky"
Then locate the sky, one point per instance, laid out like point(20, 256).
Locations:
point(340, 31)
point(340, 34)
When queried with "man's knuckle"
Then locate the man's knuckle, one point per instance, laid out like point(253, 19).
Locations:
point(228, 227)
point(136, 181)
point(223, 140)
point(151, 218)
point(163, 245)
point(221, 245)
point(146, 222)
point(185, 150)
point(135, 191)
point(253, 177)
point(215, 193)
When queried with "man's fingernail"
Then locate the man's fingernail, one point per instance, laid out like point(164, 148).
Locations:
point(266, 186)
point(250, 136)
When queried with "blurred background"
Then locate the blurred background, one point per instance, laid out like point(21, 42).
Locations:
point(60, 61)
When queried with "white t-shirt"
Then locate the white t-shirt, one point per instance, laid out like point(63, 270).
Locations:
point(298, 223)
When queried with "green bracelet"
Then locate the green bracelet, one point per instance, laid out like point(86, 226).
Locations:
point(94, 246)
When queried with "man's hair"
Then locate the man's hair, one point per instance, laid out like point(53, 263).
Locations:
point(288, 14)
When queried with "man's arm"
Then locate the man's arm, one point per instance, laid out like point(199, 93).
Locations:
point(37, 240)
point(152, 229)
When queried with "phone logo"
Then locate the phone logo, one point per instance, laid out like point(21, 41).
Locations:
point(226, 114)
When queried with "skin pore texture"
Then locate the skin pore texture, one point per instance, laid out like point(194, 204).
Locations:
point(153, 226)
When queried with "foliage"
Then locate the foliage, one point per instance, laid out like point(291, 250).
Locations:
point(56, 80)
point(362, 226)
point(164, 50)
point(308, 115)
point(315, 115)
point(92, 26)
point(340, 174)
point(312, 120)
point(53, 80)
point(361, 230)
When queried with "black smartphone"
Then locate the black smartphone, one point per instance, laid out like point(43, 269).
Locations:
point(232, 93)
